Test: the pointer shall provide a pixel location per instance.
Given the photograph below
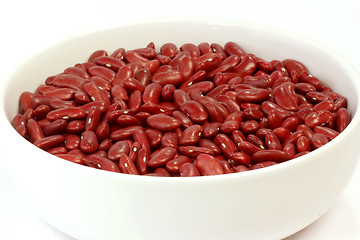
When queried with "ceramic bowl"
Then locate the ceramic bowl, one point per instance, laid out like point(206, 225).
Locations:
point(269, 203)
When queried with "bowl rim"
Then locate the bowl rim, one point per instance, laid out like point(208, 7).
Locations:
point(247, 175)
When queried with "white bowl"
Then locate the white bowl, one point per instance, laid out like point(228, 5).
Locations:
point(269, 203)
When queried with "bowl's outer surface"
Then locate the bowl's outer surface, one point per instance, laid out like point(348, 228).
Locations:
point(269, 203)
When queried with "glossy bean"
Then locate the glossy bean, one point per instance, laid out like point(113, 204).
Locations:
point(89, 142)
point(342, 119)
point(208, 165)
point(49, 142)
point(103, 163)
point(226, 145)
point(188, 170)
point(170, 139)
point(162, 157)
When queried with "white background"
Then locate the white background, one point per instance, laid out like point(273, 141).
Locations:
point(27, 26)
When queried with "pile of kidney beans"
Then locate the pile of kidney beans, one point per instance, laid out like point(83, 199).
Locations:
point(192, 110)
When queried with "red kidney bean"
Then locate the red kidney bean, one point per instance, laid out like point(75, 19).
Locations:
point(247, 66)
point(188, 170)
point(133, 57)
point(207, 62)
point(131, 84)
point(102, 83)
point(304, 88)
point(291, 123)
point(193, 151)
point(305, 77)
point(249, 126)
point(210, 130)
point(56, 127)
point(141, 161)
point(230, 104)
point(318, 140)
point(205, 48)
point(75, 126)
point(203, 86)
point(217, 48)
point(103, 163)
point(117, 149)
point(208, 165)
point(195, 111)
point(154, 136)
point(109, 62)
point(341, 102)
point(183, 118)
point(163, 122)
point(240, 158)
point(241, 168)
point(68, 81)
point(228, 127)
point(253, 114)
point(81, 97)
point(152, 93)
point(270, 155)
point(72, 158)
point(19, 124)
point(169, 49)
point(96, 54)
point(318, 118)
point(25, 101)
point(262, 165)
point(57, 150)
point(303, 144)
point(284, 96)
point(170, 139)
point(253, 95)
point(248, 147)
point(342, 119)
point(89, 142)
point(207, 143)
point(169, 77)
point(71, 113)
point(237, 136)
point(251, 138)
point(191, 135)
point(118, 53)
point(123, 133)
point(226, 167)
point(180, 97)
point(328, 132)
point(105, 145)
point(226, 145)
point(272, 141)
point(162, 157)
point(41, 111)
point(174, 165)
point(95, 92)
point(262, 81)
point(293, 65)
point(49, 142)
point(72, 141)
point(191, 48)
point(282, 133)
point(127, 166)
point(231, 48)
point(325, 105)
point(34, 130)
point(317, 97)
